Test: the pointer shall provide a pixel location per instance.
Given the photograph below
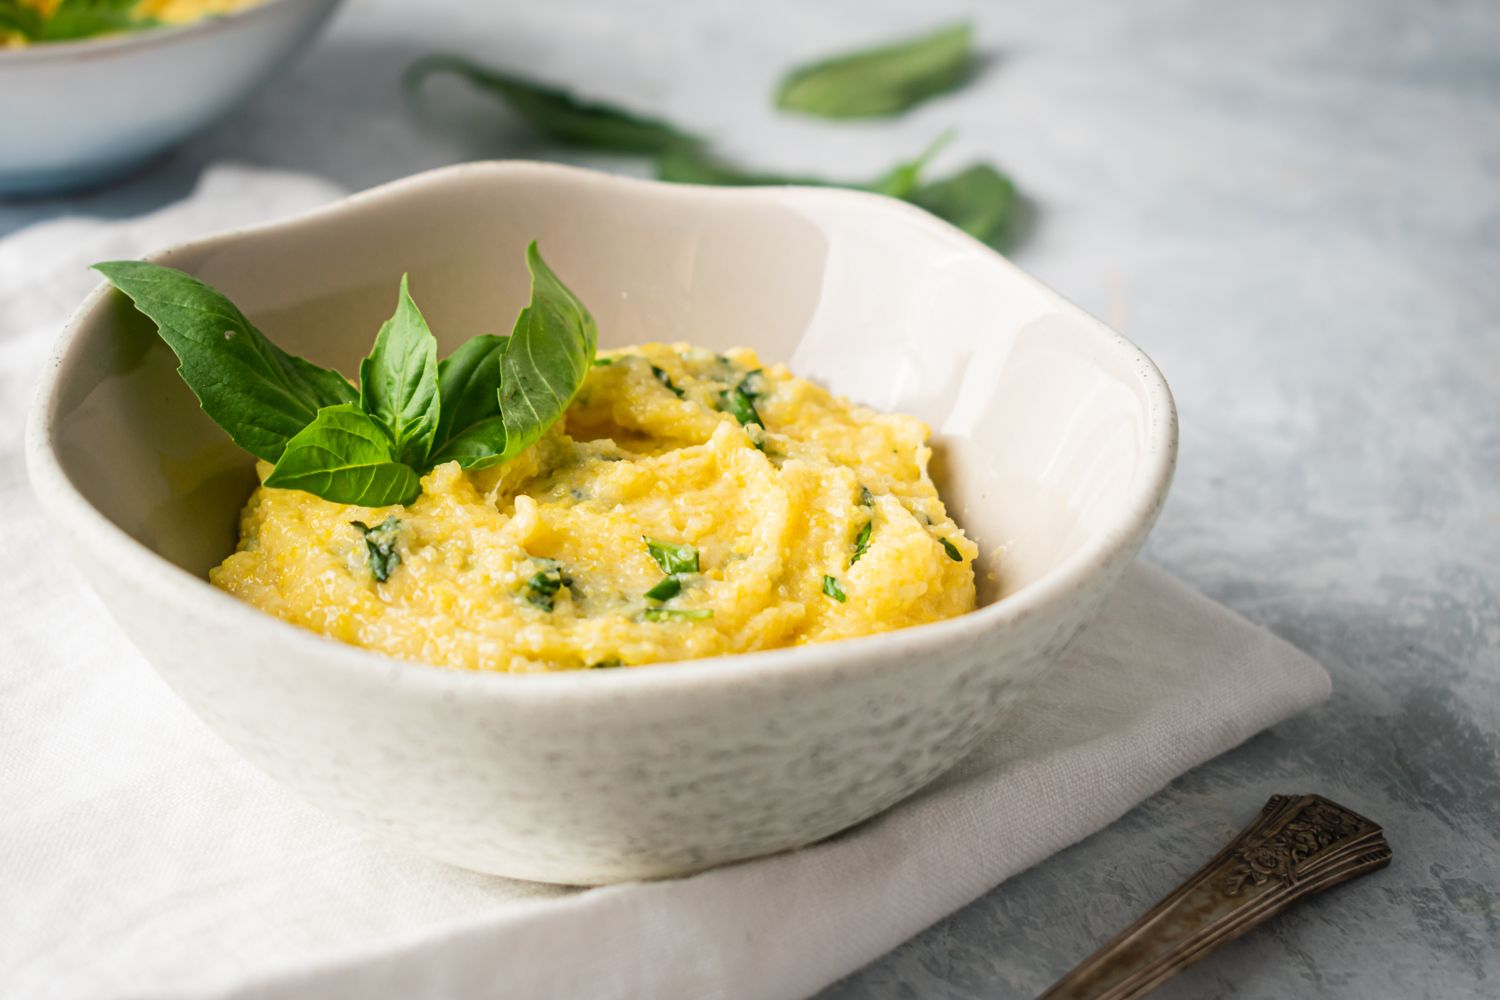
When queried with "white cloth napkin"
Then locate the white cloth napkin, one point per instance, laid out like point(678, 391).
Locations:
point(139, 857)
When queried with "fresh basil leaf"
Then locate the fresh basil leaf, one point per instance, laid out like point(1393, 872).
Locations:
point(20, 19)
point(695, 166)
point(258, 393)
point(541, 589)
point(834, 589)
point(557, 113)
point(902, 180)
point(398, 382)
point(345, 456)
point(861, 542)
point(881, 81)
point(550, 352)
point(676, 614)
point(380, 546)
point(470, 430)
point(979, 200)
point(73, 19)
point(668, 588)
point(952, 550)
point(672, 558)
point(666, 380)
point(866, 498)
point(740, 403)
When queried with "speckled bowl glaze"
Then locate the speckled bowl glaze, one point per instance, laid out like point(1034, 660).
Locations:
point(1054, 446)
point(78, 113)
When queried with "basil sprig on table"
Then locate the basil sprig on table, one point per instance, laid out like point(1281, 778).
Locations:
point(557, 113)
point(484, 404)
point(881, 81)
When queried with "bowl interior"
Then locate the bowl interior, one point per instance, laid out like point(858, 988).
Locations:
point(1047, 425)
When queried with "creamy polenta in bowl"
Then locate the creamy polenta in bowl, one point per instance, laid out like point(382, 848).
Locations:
point(651, 524)
point(785, 498)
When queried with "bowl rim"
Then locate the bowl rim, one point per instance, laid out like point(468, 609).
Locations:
point(72, 513)
point(123, 41)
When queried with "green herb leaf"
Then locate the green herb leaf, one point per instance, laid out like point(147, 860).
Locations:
point(740, 403)
point(666, 380)
point(74, 19)
point(258, 393)
point(881, 81)
point(398, 382)
point(608, 664)
point(380, 546)
point(21, 19)
point(979, 200)
point(672, 558)
point(470, 430)
point(541, 589)
point(345, 456)
point(861, 542)
point(952, 550)
point(550, 352)
point(694, 166)
point(668, 588)
point(866, 498)
point(834, 589)
point(676, 614)
point(902, 180)
point(557, 113)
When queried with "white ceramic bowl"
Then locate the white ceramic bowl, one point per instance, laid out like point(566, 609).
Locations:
point(1055, 442)
point(77, 113)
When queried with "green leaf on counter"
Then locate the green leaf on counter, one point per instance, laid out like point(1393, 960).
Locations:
point(979, 200)
point(260, 395)
point(884, 80)
point(558, 113)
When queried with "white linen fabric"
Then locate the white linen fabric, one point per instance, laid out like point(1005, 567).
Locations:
point(139, 857)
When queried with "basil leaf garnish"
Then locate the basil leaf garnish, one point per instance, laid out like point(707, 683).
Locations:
point(470, 430)
point(666, 380)
point(557, 113)
point(672, 558)
point(550, 352)
point(979, 200)
point(880, 81)
point(952, 550)
point(346, 456)
point(740, 403)
point(258, 393)
point(21, 19)
point(834, 589)
point(668, 588)
point(398, 382)
point(380, 546)
point(861, 542)
point(541, 589)
point(676, 614)
point(73, 19)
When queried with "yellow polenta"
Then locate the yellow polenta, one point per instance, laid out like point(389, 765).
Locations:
point(648, 449)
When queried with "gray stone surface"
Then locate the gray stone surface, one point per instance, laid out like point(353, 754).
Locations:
point(1295, 208)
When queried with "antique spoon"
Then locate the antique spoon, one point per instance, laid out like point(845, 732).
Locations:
point(1298, 845)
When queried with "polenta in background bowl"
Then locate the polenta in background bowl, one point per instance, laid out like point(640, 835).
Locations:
point(86, 108)
point(1054, 446)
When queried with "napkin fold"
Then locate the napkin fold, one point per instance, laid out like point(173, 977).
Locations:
point(139, 857)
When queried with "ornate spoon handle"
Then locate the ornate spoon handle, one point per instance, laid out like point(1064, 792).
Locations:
point(1297, 846)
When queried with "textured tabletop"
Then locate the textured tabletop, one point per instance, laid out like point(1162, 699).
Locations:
point(1295, 209)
